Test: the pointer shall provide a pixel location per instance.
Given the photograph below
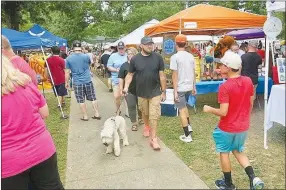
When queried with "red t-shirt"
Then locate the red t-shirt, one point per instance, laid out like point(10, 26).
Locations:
point(57, 66)
point(261, 53)
point(236, 92)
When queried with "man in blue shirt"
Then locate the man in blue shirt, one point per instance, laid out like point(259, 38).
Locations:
point(79, 63)
point(113, 65)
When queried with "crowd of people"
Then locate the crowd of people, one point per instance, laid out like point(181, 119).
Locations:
point(135, 77)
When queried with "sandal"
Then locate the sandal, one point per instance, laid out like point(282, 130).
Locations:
point(94, 117)
point(134, 128)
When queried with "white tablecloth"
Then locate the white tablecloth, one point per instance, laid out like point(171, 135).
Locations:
point(276, 106)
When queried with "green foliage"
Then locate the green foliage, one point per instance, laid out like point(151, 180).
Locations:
point(85, 19)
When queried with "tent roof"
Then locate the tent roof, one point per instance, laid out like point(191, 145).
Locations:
point(135, 36)
point(41, 32)
point(21, 40)
point(247, 34)
point(206, 19)
point(275, 6)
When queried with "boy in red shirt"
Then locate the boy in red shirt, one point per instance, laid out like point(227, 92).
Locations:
point(57, 68)
point(236, 101)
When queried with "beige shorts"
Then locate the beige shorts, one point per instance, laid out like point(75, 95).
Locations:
point(254, 93)
point(150, 107)
point(115, 87)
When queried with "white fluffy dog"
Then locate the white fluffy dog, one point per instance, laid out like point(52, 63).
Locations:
point(113, 130)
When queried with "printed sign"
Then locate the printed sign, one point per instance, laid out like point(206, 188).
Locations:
point(272, 27)
point(190, 25)
point(281, 66)
point(169, 46)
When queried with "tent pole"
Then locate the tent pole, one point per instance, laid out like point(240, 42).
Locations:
point(63, 116)
point(266, 86)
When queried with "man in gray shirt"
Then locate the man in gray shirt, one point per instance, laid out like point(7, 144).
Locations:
point(184, 83)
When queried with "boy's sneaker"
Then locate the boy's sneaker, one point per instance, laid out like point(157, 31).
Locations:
point(187, 139)
point(190, 128)
point(256, 183)
point(220, 184)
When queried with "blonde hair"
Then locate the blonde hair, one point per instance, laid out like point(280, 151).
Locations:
point(133, 50)
point(12, 77)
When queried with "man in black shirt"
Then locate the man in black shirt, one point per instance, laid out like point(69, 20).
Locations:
point(104, 59)
point(250, 62)
point(150, 86)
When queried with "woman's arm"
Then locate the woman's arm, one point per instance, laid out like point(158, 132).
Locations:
point(44, 111)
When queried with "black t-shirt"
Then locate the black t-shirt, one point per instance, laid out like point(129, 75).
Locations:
point(104, 59)
point(122, 74)
point(147, 74)
point(250, 62)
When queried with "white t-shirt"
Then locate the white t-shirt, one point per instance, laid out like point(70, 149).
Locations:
point(184, 63)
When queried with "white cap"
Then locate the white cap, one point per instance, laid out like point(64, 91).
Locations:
point(231, 60)
point(106, 47)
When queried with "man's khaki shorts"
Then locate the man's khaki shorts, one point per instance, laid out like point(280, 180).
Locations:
point(150, 107)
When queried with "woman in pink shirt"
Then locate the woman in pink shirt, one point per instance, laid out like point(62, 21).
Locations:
point(28, 151)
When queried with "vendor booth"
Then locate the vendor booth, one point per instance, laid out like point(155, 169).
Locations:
point(210, 20)
point(24, 41)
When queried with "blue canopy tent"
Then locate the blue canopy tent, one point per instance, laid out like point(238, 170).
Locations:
point(41, 32)
point(21, 40)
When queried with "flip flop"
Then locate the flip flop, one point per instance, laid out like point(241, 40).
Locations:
point(83, 119)
point(94, 117)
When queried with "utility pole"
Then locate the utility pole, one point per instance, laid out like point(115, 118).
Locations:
point(187, 4)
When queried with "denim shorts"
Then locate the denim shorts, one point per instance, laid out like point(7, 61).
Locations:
point(227, 142)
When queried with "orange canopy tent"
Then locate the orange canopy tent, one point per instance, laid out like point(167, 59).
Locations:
point(206, 19)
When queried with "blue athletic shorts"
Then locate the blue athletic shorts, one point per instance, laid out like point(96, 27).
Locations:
point(227, 142)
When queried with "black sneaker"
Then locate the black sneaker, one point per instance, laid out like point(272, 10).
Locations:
point(220, 184)
point(110, 90)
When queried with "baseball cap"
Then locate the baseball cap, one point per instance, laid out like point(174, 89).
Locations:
point(120, 45)
point(253, 43)
point(181, 38)
point(231, 60)
point(146, 40)
point(76, 45)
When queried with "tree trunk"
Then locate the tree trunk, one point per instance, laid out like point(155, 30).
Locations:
point(12, 9)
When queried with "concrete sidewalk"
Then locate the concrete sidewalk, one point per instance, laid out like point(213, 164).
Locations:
point(138, 167)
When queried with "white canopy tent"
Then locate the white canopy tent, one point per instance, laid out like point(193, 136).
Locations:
point(271, 7)
point(136, 36)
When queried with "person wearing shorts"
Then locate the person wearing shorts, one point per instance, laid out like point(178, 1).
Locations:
point(150, 87)
point(114, 63)
point(104, 59)
point(235, 97)
point(56, 65)
point(79, 65)
point(183, 66)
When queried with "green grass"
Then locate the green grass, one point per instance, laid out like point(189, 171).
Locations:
point(59, 130)
point(201, 157)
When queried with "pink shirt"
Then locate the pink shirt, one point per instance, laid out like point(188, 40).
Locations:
point(26, 141)
point(24, 67)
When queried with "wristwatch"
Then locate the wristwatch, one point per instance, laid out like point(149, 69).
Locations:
point(163, 91)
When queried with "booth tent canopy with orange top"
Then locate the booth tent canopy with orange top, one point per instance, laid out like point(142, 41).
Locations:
point(205, 19)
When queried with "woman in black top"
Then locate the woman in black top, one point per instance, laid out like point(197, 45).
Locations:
point(131, 98)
